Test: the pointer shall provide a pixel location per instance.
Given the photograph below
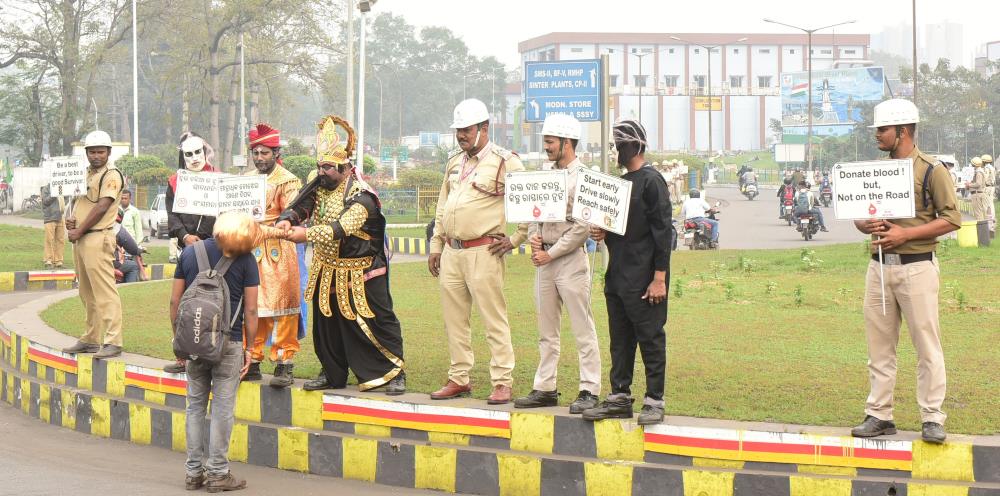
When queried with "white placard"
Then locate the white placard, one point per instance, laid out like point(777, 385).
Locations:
point(535, 196)
point(876, 189)
point(602, 200)
point(211, 193)
point(67, 175)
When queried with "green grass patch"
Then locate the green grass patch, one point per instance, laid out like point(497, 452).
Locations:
point(23, 248)
point(754, 335)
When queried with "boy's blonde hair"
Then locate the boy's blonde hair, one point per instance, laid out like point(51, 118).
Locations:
point(236, 233)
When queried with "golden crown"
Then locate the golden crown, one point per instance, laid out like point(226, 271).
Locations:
point(330, 147)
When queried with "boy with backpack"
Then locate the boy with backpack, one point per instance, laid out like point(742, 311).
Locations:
point(806, 203)
point(214, 300)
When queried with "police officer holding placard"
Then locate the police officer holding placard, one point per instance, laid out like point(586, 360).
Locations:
point(911, 280)
point(562, 277)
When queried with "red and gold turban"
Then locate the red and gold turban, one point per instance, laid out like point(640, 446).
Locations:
point(265, 135)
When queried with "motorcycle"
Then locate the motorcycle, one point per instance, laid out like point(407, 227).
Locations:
point(789, 210)
point(750, 191)
point(808, 226)
point(826, 196)
point(698, 235)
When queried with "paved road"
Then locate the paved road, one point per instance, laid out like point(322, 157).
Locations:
point(746, 224)
point(42, 459)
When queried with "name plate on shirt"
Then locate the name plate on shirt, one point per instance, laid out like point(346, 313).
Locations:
point(535, 196)
point(67, 175)
point(874, 189)
point(212, 193)
point(602, 200)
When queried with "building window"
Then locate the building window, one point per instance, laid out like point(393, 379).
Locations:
point(697, 51)
point(670, 50)
point(850, 52)
point(611, 50)
point(576, 50)
point(614, 79)
point(826, 52)
point(715, 50)
point(640, 80)
point(735, 81)
point(736, 51)
point(763, 81)
point(670, 81)
point(699, 81)
point(764, 50)
point(791, 52)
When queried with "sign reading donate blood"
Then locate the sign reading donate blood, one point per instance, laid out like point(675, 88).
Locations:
point(211, 193)
point(602, 200)
point(876, 189)
point(67, 175)
point(535, 196)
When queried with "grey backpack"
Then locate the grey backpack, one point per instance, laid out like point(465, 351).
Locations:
point(204, 318)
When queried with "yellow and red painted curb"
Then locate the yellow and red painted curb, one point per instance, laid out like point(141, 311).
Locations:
point(42, 280)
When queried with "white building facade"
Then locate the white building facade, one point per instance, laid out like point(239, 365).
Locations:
point(667, 81)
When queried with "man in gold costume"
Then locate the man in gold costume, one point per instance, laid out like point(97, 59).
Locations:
point(277, 262)
point(354, 326)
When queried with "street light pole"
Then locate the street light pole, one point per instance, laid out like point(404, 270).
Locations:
point(809, 109)
point(243, 103)
point(640, 55)
point(135, 86)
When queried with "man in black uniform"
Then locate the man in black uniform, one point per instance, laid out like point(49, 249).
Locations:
point(635, 284)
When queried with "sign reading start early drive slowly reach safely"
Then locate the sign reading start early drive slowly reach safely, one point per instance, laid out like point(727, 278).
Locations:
point(602, 200)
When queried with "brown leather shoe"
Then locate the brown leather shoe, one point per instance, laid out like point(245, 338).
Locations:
point(453, 390)
point(501, 394)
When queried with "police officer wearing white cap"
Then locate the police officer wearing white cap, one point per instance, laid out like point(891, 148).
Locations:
point(562, 278)
point(90, 229)
point(911, 280)
point(467, 251)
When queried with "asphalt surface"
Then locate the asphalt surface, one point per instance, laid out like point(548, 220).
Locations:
point(745, 224)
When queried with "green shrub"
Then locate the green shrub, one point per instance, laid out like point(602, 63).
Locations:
point(153, 176)
point(130, 165)
point(300, 165)
point(422, 178)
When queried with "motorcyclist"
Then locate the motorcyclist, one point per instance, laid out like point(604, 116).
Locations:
point(813, 204)
point(739, 175)
point(784, 188)
point(696, 209)
point(749, 177)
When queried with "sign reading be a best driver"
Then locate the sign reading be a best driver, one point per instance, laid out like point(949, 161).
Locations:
point(876, 189)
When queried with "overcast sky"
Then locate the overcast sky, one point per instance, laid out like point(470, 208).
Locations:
point(494, 27)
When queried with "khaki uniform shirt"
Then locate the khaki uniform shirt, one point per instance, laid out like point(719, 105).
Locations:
point(111, 187)
point(978, 183)
point(563, 237)
point(471, 203)
point(942, 204)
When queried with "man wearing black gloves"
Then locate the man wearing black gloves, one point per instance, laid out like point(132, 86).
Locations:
point(635, 284)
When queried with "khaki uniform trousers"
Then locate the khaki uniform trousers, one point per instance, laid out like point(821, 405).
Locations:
point(980, 206)
point(911, 292)
point(566, 281)
point(95, 272)
point(468, 276)
point(991, 215)
point(55, 242)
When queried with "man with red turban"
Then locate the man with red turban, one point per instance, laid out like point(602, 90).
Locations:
point(278, 298)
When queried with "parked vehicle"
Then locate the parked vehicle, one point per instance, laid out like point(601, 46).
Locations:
point(157, 220)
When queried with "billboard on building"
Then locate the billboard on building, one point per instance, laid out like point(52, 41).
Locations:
point(836, 98)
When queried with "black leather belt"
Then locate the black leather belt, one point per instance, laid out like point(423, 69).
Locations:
point(904, 258)
point(89, 231)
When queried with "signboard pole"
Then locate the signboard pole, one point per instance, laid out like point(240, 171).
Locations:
point(605, 113)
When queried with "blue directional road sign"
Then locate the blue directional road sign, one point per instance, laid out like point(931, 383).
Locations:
point(564, 87)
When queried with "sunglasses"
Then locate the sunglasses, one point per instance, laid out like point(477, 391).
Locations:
point(327, 167)
point(191, 154)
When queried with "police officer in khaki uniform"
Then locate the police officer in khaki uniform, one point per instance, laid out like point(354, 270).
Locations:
point(990, 172)
point(977, 190)
point(467, 251)
point(90, 229)
point(562, 278)
point(911, 280)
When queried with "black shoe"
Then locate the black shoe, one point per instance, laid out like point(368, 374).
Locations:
point(283, 375)
point(933, 432)
point(320, 383)
point(81, 347)
point(584, 401)
point(872, 427)
point(537, 399)
point(108, 351)
point(620, 409)
point(824, 229)
point(253, 373)
point(397, 385)
point(194, 483)
point(650, 415)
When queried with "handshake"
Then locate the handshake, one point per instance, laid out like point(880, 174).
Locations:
point(296, 234)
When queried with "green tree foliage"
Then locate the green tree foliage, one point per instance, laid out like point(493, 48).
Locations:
point(422, 178)
point(300, 165)
point(153, 176)
point(294, 147)
point(130, 166)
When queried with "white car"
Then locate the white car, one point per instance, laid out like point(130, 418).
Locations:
point(157, 220)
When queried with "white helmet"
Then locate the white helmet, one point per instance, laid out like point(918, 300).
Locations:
point(469, 112)
point(895, 112)
point(560, 126)
point(97, 138)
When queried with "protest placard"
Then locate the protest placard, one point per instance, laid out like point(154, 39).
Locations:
point(67, 175)
point(535, 196)
point(875, 189)
point(602, 200)
point(209, 193)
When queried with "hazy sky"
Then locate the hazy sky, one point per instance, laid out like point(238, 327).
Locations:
point(494, 27)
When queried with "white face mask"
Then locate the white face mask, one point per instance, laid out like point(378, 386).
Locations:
point(193, 149)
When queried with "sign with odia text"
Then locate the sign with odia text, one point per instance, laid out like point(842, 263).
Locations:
point(602, 200)
point(535, 196)
point(874, 189)
point(67, 175)
point(211, 193)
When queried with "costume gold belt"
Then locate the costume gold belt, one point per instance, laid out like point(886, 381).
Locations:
point(350, 285)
